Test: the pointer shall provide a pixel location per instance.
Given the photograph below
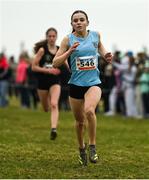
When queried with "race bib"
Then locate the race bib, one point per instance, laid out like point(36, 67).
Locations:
point(86, 63)
point(47, 65)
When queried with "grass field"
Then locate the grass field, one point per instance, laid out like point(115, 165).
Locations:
point(27, 152)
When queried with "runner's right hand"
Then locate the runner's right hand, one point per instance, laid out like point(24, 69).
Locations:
point(74, 46)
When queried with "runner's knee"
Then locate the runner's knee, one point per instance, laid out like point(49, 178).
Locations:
point(89, 112)
point(54, 105)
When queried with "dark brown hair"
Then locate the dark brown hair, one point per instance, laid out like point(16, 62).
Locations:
point(51, 29)
point(42, 43)
point(79, 11)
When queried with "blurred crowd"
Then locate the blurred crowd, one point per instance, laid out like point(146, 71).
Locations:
point(17, 79)
point(125, 84)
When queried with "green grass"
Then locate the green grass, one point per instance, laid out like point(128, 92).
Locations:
point(27, 152)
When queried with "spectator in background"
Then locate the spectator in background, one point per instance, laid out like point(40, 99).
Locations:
point(21, 80)
point(12, 84)
point(129, 70)
point(4, 76)
point(115, 97)
point(64, 97)
point(32, 87)
point(108, 85)
point(139, 103)
point(120, 101)
point(144, 85)
point(141, 58)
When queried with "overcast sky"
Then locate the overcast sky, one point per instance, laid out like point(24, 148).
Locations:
point(123, 24)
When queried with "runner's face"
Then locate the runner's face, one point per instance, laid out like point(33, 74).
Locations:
point(79, 22)
point(51, 37)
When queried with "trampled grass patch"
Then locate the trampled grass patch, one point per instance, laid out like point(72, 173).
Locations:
point(27, 152)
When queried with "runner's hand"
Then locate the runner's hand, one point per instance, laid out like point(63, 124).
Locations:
point(74, 46)
point(54, 71)
point(108, 57)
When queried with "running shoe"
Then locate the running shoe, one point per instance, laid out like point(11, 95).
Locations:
point(53, 135)
point(93, 157)
point(83, 157)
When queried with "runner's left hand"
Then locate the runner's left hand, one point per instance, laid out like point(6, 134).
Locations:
point(108, 57)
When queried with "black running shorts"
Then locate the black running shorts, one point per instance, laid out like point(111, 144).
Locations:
point(78, 92)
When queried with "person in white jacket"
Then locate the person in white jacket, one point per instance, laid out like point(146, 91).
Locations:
point(129, 70)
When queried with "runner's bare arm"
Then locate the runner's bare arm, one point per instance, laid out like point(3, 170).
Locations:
point(104, 53)
point(36, 60)
point(64, 52)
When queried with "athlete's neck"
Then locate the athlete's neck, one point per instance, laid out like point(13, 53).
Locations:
point(81, 34)
point(53, 46)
